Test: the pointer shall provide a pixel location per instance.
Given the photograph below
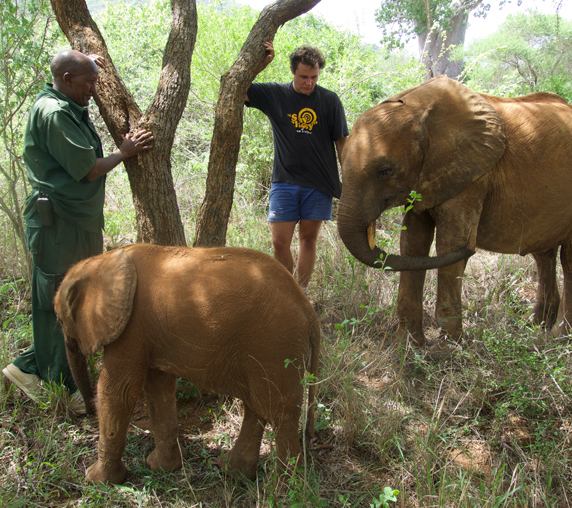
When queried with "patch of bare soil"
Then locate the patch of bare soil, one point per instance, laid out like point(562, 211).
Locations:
point(194, 414)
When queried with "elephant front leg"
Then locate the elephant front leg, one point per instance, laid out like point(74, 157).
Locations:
point(160, 388)
point(449, 310)
point(410, 307)
point(416, 240)
point(244, 455)
point(457, 223)
point(564, 320)
point(116, 403)
point(547, 296)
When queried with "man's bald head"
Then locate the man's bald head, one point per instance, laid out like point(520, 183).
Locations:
point(75, 76)
point(71, 61)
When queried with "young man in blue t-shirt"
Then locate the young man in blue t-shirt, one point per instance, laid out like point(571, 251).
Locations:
point(308, 124)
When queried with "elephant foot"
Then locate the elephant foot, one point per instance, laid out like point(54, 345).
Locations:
point(100, 473)
point(440, 349)
point(544, 319)
point(560, 329)
point(451, 330)
point(169, 461)
point(417, 338)
point(237, 465)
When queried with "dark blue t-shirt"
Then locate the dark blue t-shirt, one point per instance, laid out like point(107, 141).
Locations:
point(304, 128)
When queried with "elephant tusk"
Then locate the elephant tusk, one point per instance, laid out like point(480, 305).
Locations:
point(371, 235)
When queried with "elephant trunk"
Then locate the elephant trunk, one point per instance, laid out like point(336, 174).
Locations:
point(354, 234)
point(78, 365)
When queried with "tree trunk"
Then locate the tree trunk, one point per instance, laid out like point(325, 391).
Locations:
point(157, 212)
point(435, 48)
point(215, 211)
point(436, 44)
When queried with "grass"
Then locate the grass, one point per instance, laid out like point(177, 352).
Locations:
point(490, 426)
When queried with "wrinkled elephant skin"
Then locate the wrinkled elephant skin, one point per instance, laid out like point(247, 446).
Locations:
point(232, 321)
point(493, 173)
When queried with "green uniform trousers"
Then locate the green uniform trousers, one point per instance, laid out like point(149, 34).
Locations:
point(55, 249)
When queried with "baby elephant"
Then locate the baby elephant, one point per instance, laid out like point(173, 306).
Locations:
point(232, 321)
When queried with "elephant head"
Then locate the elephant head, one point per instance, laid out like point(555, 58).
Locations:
point(93, 305)
point(435, 139)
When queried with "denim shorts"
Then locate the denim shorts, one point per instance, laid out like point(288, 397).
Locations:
point(292, 203)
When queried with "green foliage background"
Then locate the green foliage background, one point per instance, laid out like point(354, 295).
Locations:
point(529, 52)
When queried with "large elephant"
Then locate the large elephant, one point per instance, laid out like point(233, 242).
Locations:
point(493, 173)
point(232, 321)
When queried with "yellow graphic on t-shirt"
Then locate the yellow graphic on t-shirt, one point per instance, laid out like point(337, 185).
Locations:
point(306, 119)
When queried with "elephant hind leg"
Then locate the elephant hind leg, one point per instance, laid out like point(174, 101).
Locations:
point(288, 440)
point(547, 296)
point(160, 388)
point(564, 320)
point(243, 457)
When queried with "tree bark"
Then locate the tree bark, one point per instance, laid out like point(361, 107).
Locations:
point(215, 210)
point(435, 48)
point(154, 197)
point(436, 44)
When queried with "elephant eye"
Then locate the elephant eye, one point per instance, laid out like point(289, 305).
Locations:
point(384, 172)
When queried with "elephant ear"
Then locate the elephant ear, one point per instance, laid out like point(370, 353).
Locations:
point(463, 138)
point(95, 299)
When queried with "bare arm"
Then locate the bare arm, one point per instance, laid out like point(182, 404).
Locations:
point(133, 144)
point(269, 57)
point(340, 144)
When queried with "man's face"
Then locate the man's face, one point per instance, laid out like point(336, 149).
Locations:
point(305, 78)
point(81, 87)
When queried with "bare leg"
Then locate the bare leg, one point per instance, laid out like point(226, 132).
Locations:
point(160, 388)
point(309, 230)
point(244, 455)
point(282, 233)
point(415, 240)
point(547, 296)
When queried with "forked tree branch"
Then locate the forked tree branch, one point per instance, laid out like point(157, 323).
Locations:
point(215, 211)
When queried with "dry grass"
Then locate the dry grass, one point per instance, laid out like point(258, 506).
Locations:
point(488, 426)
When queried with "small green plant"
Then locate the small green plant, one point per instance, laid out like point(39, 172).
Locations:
point(387, 243)
point(186, 390)
point(303, 488)
point(287, 362)
point(323, 417)
point(387, 495)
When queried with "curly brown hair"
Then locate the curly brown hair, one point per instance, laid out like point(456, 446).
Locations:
point(308, 55)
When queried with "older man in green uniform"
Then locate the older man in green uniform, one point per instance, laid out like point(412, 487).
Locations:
point(64, 212)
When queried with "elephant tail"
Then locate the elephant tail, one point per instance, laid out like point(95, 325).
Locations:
point(315, 341)
point(78, 365)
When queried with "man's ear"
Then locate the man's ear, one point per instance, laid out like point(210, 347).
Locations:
point(67, 78)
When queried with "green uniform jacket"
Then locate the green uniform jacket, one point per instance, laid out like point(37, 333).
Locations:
point(60, 147)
